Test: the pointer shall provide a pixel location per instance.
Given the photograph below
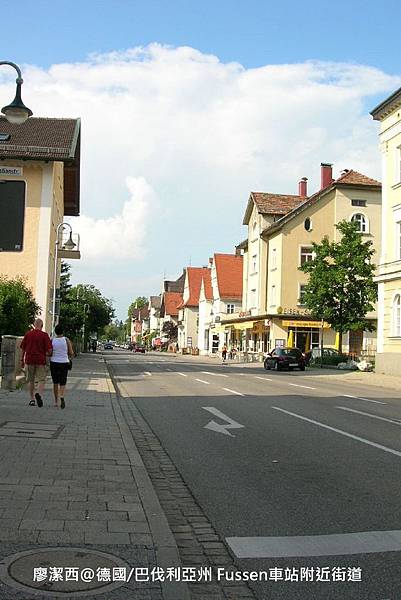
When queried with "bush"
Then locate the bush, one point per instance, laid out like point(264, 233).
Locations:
point(330, 360)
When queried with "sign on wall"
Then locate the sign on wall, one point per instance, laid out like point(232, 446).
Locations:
point(14, 171)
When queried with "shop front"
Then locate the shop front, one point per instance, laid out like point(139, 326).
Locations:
point(303, 334)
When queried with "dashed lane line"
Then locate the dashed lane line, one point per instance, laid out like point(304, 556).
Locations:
point(182, 374)
point(147, 373)
point(360, 412)
point(233, 392)
point(215, 374)
point(306, 387)
point(263, 378)
point(203, 381)
point(364, 399)
point(340, 431)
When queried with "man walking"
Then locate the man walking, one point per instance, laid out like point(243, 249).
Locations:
point(36, 346)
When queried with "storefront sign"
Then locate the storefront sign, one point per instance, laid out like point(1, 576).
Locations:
point(245, 313)
point(305, 324)
point(14, 171)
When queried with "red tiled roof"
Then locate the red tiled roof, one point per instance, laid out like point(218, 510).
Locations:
point(140, 314)
point(207, 284)
point(172, 300)
point(275, 204)
point(229, 275)
point(195, 276)
point(352, 177)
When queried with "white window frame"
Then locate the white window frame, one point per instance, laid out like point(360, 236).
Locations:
point(366, 221)
point(273, 295)
point(253, 298)
point(396, 315)
point(301, 254)
point(300, 286)
point(397, 166)
point(254, 263)
point(274, 259)
point(230, 309)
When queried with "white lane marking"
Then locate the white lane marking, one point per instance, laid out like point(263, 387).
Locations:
point(147, 373)
point(263, 378)
point(215, 374)
point(340, 431)
point(221, 427)
point(233, 392)
point(182, 374)
point(365, 399)
point(169, 370)
point(203, 381)
point(360, 412)
point(306, 387)
point(364, 542)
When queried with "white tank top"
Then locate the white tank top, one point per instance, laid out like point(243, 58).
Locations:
point(60, 350)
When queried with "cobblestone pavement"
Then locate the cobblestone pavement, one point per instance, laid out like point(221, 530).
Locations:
point(197, 541)
point(67, 479)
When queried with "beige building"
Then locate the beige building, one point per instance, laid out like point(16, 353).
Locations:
point(39, 186)
point(388, 357)
point(281, 230)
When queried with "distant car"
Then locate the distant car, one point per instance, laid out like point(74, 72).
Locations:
point(141, 349)
point(285, 358)
point(315, 354)
point(108, 346)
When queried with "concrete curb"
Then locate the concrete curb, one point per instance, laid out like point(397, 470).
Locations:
point(165, 546)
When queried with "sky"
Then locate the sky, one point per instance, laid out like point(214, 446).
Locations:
point(186, 107)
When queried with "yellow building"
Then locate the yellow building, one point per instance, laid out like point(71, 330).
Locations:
point(388, 358)
point(39, 186)
point(281, 230)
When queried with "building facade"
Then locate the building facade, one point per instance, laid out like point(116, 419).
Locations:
point(388, 357)
point(188, 317)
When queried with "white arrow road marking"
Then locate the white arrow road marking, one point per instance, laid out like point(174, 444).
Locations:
point(340, 431)
point(334, 544)
point(215, 374)
point(365, 399)
point(203, 381)
point(147, 373)
point(182, 374)
point(360, 412)
point(221, 427)
point(263, 378)
point(233, 392)
point(306, 387)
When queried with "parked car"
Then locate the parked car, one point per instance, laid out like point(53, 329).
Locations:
point(107, 346)
point(141, 349)
point(329, 354)
point(285, 358)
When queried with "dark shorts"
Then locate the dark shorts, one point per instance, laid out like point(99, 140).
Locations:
point(59, 372)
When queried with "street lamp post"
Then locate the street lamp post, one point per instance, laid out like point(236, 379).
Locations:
point(69, 245)
point(16, 112)
point(86, 310)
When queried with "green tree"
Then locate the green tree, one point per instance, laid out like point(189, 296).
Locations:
point(341, 289)
point(139, 302)
point(170, 330)
point(115, 331)
point(18, 308)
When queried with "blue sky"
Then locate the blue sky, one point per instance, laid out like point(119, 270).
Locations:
point(188, 106)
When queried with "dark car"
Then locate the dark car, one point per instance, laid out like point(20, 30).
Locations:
point(285, 358)
point(141, 349)
point(329, 355)
point(107, 346)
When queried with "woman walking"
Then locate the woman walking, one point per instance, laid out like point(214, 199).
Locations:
point(60, 364)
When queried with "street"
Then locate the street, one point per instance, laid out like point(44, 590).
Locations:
point(292, 471)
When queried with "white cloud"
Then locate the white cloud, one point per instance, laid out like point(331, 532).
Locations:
point(200, 135)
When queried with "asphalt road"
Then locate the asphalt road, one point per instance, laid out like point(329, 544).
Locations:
point(295, 473)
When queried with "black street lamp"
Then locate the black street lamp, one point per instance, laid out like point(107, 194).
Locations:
point(16, 112)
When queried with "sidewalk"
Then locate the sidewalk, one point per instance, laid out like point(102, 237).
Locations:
point(72, 480)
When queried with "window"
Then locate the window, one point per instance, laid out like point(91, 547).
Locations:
point(356, 202)
point(306, 254)
point(12, 213)
point(273, 295)
point(398, 165)
point(253, 298)
point(230, 309)
point(274, 259)
point(397, 316)
point(398, 240)
point(361, 221)
point(254, 263)
point(308, 224)
point(302, 287)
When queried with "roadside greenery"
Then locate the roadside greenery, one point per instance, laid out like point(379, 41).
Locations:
point(341, 289)
point(18, 308)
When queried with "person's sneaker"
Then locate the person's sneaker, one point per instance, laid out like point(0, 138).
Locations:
point(62, 403)
point(39, 400)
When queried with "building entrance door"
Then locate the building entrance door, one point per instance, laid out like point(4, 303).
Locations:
point(355, 342)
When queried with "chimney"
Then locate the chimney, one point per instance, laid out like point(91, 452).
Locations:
point(303, 187)
point(326, 175)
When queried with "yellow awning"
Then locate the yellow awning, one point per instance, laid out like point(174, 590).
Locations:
point(243, 326)
point(218, 329)
point(305, 324)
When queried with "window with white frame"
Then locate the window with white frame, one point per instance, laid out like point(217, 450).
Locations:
point(301, 300)
point(397, 315)
point(274, 259)
point(358, 202)
point(306, 254)
point(361, 222)
point(253, 298)
point(230, 309)
point(398, 240)
point(398, 165)
point(273, 295)
point(254, 263)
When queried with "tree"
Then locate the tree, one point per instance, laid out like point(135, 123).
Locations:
point(139, 302)
point(170, 330)
point(18, 308)
point(341, 289)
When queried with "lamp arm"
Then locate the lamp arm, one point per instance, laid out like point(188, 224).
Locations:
point(16, 67)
